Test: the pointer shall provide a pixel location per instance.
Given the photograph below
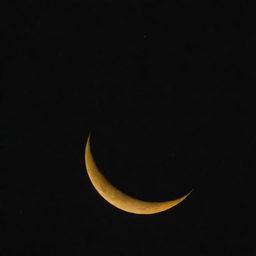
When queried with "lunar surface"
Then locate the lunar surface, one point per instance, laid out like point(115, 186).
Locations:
point(116, 197)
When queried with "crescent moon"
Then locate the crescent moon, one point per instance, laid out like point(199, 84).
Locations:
point(117, 198)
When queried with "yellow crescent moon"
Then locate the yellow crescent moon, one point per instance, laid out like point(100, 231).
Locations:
point(118, 198)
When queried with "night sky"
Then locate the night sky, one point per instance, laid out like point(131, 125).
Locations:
point(164, 89)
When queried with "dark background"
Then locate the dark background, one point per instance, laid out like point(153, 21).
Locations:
point(163, 86)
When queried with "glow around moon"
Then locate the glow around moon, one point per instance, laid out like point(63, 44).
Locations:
point(117, 198)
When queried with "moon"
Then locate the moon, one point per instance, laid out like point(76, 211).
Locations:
point(116, 197)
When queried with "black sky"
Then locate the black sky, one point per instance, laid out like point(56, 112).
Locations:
point(163, 86)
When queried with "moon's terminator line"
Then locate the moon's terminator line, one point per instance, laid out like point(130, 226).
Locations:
point(117, 198)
